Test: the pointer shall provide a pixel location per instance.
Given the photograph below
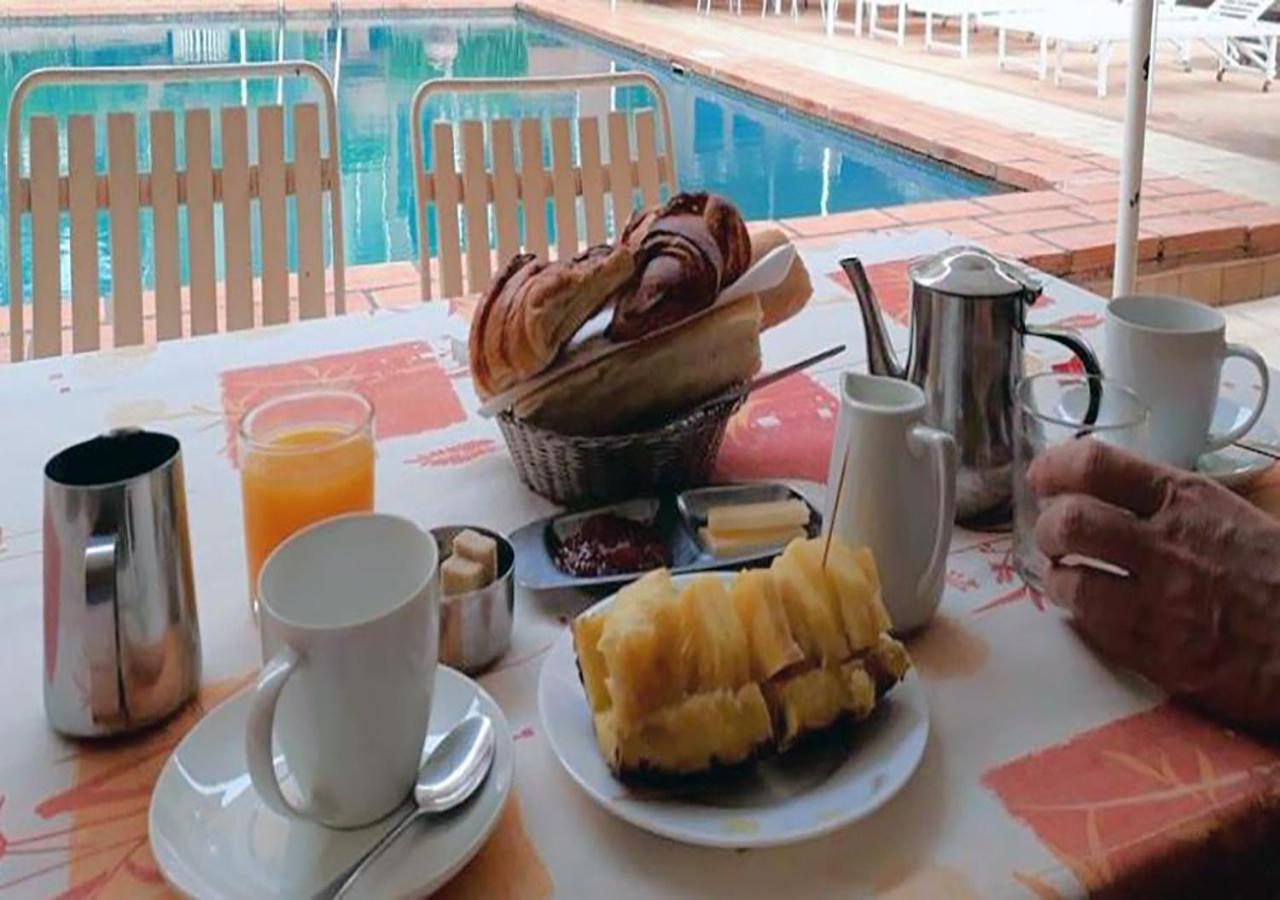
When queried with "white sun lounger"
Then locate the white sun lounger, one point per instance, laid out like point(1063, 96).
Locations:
point(965, 12)
point(1243, 53)
point(1108, 25)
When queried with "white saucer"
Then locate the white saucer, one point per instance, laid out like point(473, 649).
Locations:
point(802, 795)
point(1235, 466)
point(212, 837)
point(1231, 466)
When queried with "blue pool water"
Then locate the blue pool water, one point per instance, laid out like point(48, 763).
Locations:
point(771, 162)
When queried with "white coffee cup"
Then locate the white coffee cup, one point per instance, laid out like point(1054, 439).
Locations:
point(349, 618)
point(1170, 352)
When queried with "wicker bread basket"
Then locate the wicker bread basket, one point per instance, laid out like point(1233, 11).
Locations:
point(578, 470)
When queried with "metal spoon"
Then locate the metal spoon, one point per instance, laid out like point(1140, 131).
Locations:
point(449, 775)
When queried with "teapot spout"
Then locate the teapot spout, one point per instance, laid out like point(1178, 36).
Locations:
point(881, 359)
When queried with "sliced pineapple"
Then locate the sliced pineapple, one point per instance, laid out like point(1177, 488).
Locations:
point(705, 731)
point(853, 586)
point(759, 607)
point(682, 682)
point(642, 677)
point(714, 642)
point(887, 662)
point(592, 668)
point(807, 702)
point(810, 613)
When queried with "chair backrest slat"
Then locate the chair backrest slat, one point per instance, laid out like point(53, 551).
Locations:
point(236, 243)
point(504, 207)
point(273, 215)
point(647, 157)
point(592, 179)
point(202, 282)
point(620, 183)
point(126, 257)
point(152, 176)
point(82, 199)
point(308, 209)
point(46, 266)
point(164, 211)
point(564, 189)
point(506, 188)
point(447, 209)
point(533, 188)
point(475, 201)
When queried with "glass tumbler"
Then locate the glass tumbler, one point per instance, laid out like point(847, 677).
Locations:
point(1053, 408)
point(304, 457)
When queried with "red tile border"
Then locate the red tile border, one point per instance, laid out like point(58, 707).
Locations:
point(1035, 220)
point(937, 211)
point(837, 223)
point(1027, 201)
point(1195, 233)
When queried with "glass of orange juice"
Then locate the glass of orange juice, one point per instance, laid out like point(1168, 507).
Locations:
point(304, 457)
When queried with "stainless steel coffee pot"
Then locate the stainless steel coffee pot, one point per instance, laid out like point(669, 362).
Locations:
point(121, 641)
point(968, 321)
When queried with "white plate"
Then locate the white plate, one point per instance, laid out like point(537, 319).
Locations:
point(801, 795)
point(212, 837)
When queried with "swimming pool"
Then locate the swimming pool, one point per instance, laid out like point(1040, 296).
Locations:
point(772, 162)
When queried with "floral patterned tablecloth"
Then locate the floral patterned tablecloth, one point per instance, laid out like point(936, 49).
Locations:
point(1047, 773)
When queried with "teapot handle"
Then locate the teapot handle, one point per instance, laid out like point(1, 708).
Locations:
point(941, 446)
point(1080, 347)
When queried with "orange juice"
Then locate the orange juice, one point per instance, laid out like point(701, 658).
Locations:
point(298, 477)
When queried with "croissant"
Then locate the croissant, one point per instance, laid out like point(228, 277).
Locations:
point(687, 252)
point(532, 309)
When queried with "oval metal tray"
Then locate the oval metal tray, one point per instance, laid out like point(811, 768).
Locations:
point(676, 518)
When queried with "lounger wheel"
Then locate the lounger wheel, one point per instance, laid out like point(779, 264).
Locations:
point(1266, 87)
point(1221, 73)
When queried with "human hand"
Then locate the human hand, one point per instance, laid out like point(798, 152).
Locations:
point(1199, 613)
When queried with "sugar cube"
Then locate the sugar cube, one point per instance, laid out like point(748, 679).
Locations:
point(459, 575)
point(478, 548)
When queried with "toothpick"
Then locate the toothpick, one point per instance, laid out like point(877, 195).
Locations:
point(835, 509)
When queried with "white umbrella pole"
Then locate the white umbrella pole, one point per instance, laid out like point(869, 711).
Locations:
point(1137, 85)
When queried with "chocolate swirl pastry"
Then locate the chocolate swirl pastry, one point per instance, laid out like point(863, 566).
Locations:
point(533, 308)
point(686, 252)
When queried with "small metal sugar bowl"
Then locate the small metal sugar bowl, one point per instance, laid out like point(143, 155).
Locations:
point(475, 626)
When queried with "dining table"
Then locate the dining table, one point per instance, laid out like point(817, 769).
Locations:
point(1047, 772)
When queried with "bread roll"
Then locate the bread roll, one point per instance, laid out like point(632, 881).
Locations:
point(687, 252)
point(648, 382)
point(787, 298)
point(532, 309)
point(489, 365)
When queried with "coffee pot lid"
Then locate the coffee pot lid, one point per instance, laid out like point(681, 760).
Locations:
point(968, 271)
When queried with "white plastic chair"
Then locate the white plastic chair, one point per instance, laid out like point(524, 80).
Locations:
point(47, 192)
point(704, 7)
point(494, 185)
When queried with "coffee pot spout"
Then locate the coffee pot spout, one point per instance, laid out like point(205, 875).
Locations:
point(881, 359)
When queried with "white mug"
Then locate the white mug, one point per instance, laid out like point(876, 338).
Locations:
point(1170, 352)
point(896, 483)
point(349, 618)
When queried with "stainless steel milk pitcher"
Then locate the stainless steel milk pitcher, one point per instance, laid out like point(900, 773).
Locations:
point(121, 642)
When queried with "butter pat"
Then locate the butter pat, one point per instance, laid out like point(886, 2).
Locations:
point(758, 516)
point(736, 543)
point(459, 575)
point(480, 549)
